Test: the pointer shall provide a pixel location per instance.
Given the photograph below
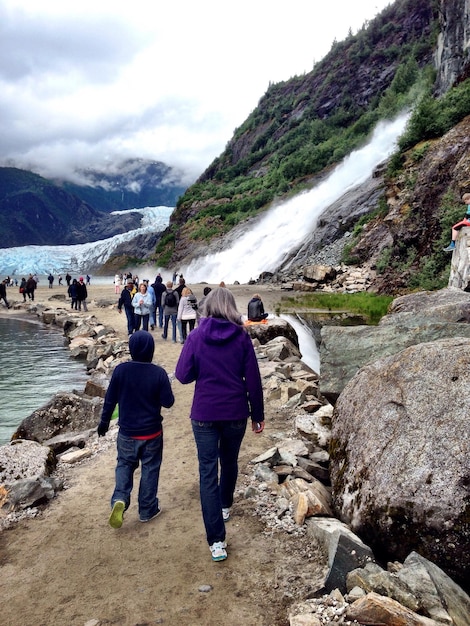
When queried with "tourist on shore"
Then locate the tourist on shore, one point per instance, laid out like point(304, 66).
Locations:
point(159, 288)
point(117, 283)
point(82, 294)
point(142, 303)
point(125, 301)
point(73, 294)
point(152, 320)
point(219, 356)
point(31, 285)
point(3, 292)
point(187, 312)
point(23, 288)
point(256, 309)
point(50, 279)
point(68, 279)
point(140, 437)
point(170, 300)
point(200, 304)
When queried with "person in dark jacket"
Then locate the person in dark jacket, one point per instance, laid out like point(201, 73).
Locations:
point(3, 293)
point(30, 287)
point(140, 388)
point(73, 293)
point(125, 301)
point(256, 309)
point(159, 288)
point(220, 357)
point(82, 294)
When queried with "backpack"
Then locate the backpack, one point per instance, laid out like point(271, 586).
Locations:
point(192, 301)
point(170, 299)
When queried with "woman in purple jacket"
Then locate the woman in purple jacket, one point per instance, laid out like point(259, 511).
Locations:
point(219, 356)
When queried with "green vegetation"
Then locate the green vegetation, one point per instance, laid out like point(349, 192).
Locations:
point(370, 305)
point(309, 123)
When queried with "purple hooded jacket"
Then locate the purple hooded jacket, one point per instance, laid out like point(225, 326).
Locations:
point(220, 357)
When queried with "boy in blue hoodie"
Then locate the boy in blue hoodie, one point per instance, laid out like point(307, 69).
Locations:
point(140, 388)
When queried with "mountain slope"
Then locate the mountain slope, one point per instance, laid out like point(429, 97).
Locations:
point(307, 124)
point(34, 211)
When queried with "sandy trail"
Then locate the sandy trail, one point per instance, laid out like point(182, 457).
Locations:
point(68, 566)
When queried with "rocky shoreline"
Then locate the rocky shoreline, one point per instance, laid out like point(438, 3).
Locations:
point(289, 482)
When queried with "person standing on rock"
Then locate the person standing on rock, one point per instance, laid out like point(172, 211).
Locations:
point(140, 437)
point(465, 223)
point(219, 356)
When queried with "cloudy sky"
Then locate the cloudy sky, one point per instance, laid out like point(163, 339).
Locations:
point(88, 83)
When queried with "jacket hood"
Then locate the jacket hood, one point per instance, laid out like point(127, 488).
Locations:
point(215, 330)
point(142, 346)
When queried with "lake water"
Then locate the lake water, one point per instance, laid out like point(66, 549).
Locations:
point(34, 365)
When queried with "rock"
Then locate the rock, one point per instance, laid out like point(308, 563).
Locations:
point(29, 492)
point(345, 555)
point(64, 441)
point(276, 327)
point(75, 456)
point(414, 495)
point(425, 317)
point(25, 459)
point(376, 609)
point(66, 412)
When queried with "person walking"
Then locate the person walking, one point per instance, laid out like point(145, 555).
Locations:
point(73, 293)
point(125, 301)
point(170, 300)
point(140, 388)
point(31, 285)
point(142, 303)
point(219, 356)
point(3, 293)
point(23, 288)
point(187, 312)
point(159, 288)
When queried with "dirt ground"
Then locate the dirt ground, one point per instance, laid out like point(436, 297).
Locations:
point(68, 567)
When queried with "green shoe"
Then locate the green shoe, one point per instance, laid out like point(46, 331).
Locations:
point(117, 514)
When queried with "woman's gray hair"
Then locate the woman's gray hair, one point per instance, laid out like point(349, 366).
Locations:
point(221, 303)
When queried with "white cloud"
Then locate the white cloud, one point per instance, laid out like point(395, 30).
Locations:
point(85, 83)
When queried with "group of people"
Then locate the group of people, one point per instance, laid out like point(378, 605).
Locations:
point(160, 304)
point(217, 355)
point(78, 294)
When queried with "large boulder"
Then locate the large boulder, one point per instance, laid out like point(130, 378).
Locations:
point(413, 319)
point(65, 413)
point(275, 327)
point(400, 455)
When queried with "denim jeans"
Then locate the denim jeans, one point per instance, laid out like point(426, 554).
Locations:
point(130, 452)
point(165, 328)
point(160, 315)
point(130, 320)
point(217, 441)
point(141, 319)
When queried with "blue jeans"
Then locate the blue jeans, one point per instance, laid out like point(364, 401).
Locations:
point(130, 320)
point(167, 321)
point(160, 315)
point(216, 442)
point(130, 452)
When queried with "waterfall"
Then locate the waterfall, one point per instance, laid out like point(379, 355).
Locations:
point(286, 225)
point(307, 344)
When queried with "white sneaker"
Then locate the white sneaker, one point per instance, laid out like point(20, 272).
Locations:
point(226, 514)
point(218, 551)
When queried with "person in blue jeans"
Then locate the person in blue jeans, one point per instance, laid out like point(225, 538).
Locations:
point(170, 301)
point(140, 437)
point(220, 357)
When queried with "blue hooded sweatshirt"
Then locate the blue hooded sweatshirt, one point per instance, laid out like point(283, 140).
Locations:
point(140, 388)
point(220, 357)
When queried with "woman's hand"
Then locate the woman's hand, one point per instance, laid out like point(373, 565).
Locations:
point(257, 427)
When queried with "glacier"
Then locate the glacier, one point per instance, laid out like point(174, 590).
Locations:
point(77, 259)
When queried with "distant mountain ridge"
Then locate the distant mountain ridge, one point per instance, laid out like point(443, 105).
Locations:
point(38, 211)
point(135, 183)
